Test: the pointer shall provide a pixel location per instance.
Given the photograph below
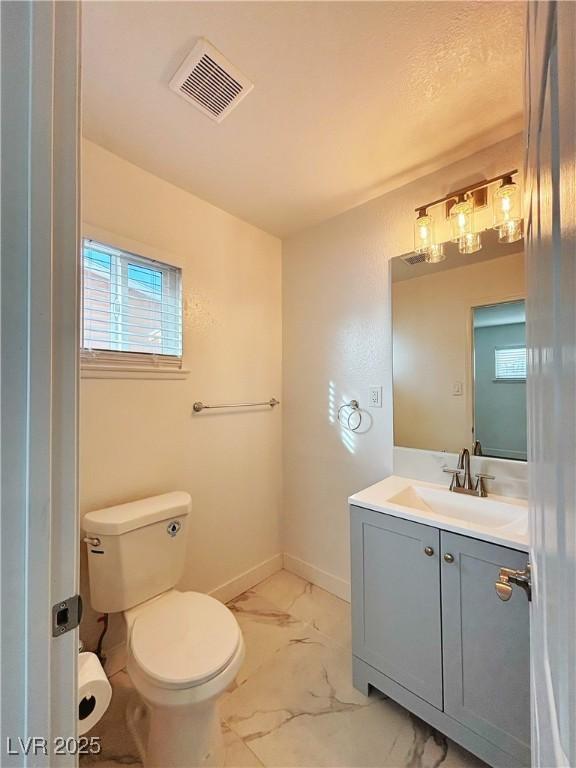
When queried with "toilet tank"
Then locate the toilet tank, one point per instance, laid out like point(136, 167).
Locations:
point(135, 550)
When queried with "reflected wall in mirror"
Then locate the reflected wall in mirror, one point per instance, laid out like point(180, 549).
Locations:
point(459, 354)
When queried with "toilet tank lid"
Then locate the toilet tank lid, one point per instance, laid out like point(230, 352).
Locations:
point(112, 521)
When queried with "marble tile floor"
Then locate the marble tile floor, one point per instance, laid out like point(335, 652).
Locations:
point(293, 704)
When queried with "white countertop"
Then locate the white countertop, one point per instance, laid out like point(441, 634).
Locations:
point(468, 515)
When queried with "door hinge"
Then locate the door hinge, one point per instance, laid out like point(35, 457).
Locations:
point(66, 615)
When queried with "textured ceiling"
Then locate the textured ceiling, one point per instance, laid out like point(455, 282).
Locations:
point(350, 98)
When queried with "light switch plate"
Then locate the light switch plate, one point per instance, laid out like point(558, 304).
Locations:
point(375, 397)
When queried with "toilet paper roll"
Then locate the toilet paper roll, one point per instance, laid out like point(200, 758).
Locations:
point(94, 691)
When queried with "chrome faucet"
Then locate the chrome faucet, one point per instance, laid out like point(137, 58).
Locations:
point(469, 487)
point(464, 464)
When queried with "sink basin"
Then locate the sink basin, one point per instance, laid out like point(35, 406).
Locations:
point(486, 512)
point(497, 519)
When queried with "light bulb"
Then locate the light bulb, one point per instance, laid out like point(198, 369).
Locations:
point(506, 204)
point(423, 232)
point(470, 243)
point(435, 253)
point(461, 219)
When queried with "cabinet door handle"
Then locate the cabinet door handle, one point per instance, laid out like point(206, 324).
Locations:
point(429, 551)
point(448, 558)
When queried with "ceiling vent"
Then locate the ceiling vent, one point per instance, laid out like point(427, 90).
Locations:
point(415, 258)
point(210, 82)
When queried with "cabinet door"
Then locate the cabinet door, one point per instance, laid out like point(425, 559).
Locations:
point(486, 644)
point(396, 600)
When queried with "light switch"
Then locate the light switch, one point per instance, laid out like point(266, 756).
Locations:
point(457, 388)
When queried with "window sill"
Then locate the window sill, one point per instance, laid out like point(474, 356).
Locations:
point(116, 364)
point(129, 372)
point(509, 381)
point(103, 371)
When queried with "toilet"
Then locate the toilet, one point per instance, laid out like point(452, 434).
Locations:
point(184, 649)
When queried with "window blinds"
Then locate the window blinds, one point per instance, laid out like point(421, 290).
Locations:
point(510, 363)
point(130, 304)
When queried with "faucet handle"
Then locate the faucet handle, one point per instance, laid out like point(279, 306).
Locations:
point(455, 482)
point(480, 489)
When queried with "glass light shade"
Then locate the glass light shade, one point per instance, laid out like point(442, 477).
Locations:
point(506, 204)
point(510, 232)
point(435, 253)
point(462, 220)
point(470, 243)
point(423, 233)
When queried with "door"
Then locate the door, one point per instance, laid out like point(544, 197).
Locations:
point(550, 214)
point(39, 236)
point(486, 644)
point(396, 600)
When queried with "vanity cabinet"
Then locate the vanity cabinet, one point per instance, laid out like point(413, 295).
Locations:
point(486, 644)
point(397, 617)
point(429, 630)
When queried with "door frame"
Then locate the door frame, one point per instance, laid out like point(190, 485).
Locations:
point(39, 374)
point(550, 216)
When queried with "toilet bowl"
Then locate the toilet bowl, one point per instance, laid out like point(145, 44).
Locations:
point(184, 649)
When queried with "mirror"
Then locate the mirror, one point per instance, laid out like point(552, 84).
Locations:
point(459, 351)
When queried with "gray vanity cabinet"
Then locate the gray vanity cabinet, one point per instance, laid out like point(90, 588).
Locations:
point(396, 601)
point(486, 644)
point(429, 630)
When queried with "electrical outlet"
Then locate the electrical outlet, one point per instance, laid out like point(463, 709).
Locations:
point(375, 397)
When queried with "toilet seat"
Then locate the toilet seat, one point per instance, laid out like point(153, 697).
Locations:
point(183, 639)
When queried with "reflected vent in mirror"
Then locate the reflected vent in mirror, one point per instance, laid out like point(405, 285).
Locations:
point(414, 258)
point(210, 82)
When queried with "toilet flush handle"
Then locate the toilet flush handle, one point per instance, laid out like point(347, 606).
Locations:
point(92, 541)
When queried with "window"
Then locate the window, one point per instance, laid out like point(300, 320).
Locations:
point(510, 364)
point(131, 308)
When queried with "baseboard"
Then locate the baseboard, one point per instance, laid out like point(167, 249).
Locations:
point(327, 581)
point(248, 579)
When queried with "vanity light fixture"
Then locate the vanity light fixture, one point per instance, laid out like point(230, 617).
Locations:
point(423, 232)
point(462, 218)
point(435, 253)
point(507, 211)
point(470, 243)
point(461, 207)
point(510, 232)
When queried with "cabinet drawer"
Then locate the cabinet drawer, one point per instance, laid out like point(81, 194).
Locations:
point(396, 614)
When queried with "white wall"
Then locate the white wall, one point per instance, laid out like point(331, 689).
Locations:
point(336, 328)
point(139, 438)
